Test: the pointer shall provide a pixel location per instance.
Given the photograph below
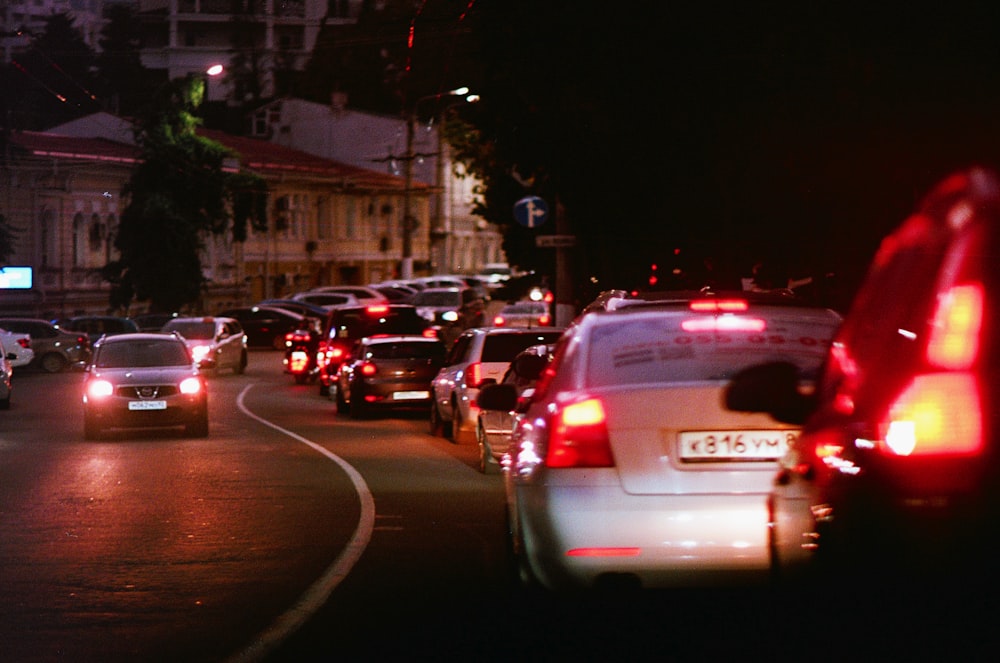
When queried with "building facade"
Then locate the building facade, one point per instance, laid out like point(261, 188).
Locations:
point(328, 223)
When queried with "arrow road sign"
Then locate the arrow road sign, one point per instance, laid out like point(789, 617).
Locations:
point(530, 211)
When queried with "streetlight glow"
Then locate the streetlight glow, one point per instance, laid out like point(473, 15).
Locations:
point(214, 70)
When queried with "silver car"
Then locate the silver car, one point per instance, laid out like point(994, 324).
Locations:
point(626, 466)
point(215, 342)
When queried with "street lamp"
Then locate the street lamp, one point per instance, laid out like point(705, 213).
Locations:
point(409, 223)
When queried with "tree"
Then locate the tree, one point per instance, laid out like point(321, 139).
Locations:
point(177, 195)
point(124, 84)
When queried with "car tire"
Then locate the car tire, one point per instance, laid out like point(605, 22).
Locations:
point(438, 426)
point(198, 427)
point(91, 431)
point(53, 362)
point(359, 409)
point(486, 463)
point(457, 433)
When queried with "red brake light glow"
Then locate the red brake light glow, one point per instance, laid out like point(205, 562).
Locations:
point(939, 413)
point(719, 305)
point(579, 437)
point(379, 309)
point(368, 369)
point(474, 374)
point(724, 323)
point(498, 321)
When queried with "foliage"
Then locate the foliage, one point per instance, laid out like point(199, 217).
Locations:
point(8, 235)
point(177, 195)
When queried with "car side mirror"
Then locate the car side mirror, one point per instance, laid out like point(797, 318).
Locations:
point(772, 388)
point(502, 397)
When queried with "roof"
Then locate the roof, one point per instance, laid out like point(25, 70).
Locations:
point(260, 156)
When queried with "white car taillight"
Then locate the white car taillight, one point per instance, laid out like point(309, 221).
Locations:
point(579, 437)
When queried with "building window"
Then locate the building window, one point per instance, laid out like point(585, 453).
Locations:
point(79, 240)
point(350, 218)
point(324, 224)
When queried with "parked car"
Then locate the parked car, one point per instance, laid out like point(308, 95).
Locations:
point(388, 372)
point(346, 325)
point(6, 371)
point(478, 355)
point(144, 380)
point(626, 467)
point(524, 314)
point(895, 473)
point(266, 326)
point(18, 348)
point(443, 306)
point(302, 308)
point(215, 342)
point(56, 350)
point(96, 326)
point(498, 402)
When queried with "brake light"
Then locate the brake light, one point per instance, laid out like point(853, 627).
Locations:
point(498, 321)
point(544, 320)
point(297, 336)
point(474, 374)
point(298, 361)
point(724, 323)
point(190, 386)
point(429, 332)
point(24, 342)
point(579, 437)
point(939, 413)
point(954, 340)
point(719, 305)
point(368, 369)
point(377, 309)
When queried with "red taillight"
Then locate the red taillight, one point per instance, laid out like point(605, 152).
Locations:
point(954, 341)
point(430, 332)
point(297, 336)
point(939, 413)
point(368, 369)
point(474, 374)
point(718, 305)
point(298, 361)
point(724, 323)
point(544, 320)
point(377, 309)
point(579, 437)
point(24, 342)
point(498, 321)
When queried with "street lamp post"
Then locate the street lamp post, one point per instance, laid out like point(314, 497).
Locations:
point(409, 222)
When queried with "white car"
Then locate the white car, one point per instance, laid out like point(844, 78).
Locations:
point(478, 356)
point(18, 345)
point(214, 342)
point(625, 465)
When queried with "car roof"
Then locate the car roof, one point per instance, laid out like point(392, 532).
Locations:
point(137, 336)
point(395, 338)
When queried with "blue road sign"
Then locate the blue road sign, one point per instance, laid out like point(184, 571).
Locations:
point(530, 211)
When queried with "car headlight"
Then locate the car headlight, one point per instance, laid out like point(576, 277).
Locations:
point(200, 352)
point(190, 386)
point(100, 389)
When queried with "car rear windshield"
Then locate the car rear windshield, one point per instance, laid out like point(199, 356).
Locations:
point(143, 354)
point(655, 348)
point(407, 350)
point(504, 347)
point(358, 323)
point(437, 299)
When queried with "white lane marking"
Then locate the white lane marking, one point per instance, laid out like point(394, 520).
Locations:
point(317, 593)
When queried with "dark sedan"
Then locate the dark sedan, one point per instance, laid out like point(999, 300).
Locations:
point(142, 381)
point(388, 372)
point(266, 326)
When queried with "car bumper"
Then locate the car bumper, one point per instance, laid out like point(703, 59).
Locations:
point(574, 536)
point(116, 414)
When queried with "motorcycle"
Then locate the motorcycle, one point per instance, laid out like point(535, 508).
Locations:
point(301, 346)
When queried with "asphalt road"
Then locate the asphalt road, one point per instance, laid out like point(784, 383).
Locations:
point(295, 534)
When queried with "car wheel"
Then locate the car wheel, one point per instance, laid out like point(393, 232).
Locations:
point(457, 433)
point(54, 362)
point(486, 463)
point(91, 431)
point(342, 407)
point(198, 427)
point(438, 426)
point(359, 409)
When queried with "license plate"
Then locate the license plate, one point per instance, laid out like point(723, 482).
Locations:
point(743, 445)
point(410, 395)
point(147, 405)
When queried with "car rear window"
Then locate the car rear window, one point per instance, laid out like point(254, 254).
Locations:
point(654, 348)
point(199, 330)
point(358, 323)
point(406, 350)
point(504, 347)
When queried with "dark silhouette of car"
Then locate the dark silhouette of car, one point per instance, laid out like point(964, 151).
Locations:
point(96, 326)
point(266, 326)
